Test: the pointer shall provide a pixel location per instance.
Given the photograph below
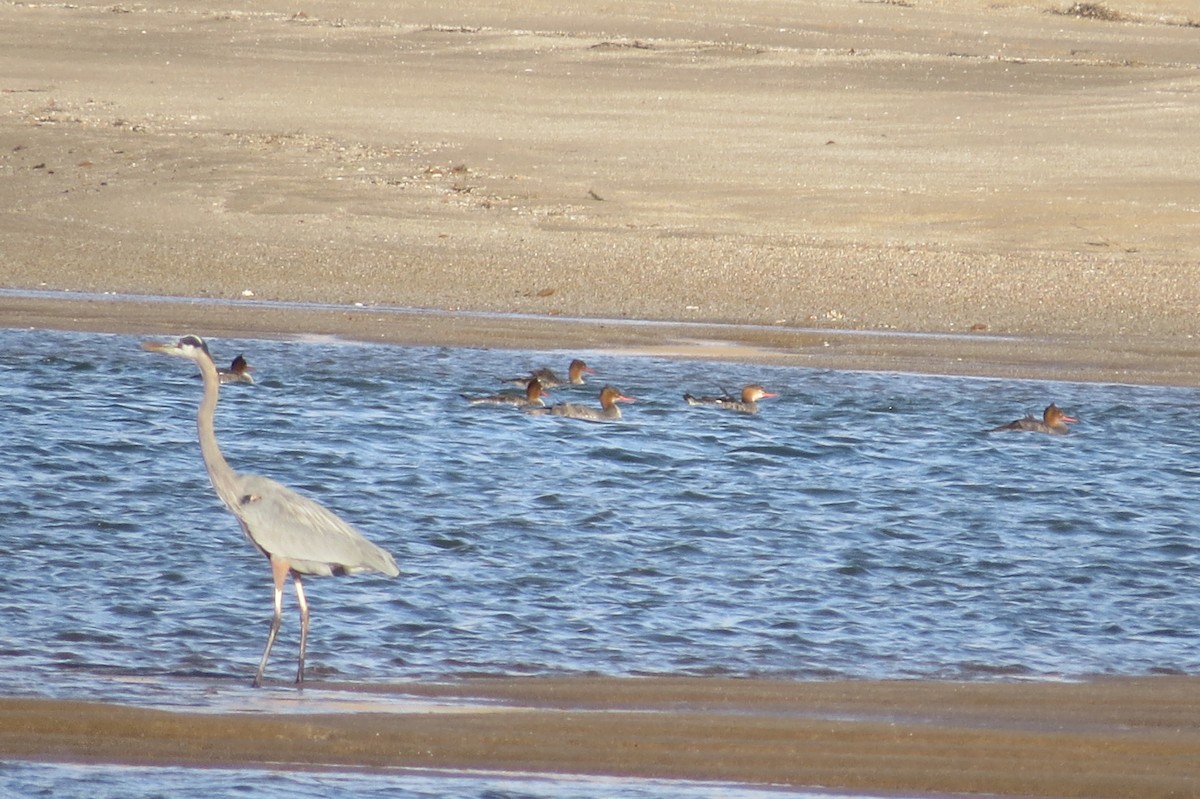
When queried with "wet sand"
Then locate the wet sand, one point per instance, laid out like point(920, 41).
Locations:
point(967, 187)
point(1113, 359)
point(1105, 738)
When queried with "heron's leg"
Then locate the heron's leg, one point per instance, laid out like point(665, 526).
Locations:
point(279, 570)
point(303, 603)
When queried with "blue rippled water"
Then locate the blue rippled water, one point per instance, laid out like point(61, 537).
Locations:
point(120, 782)
point(862, 525)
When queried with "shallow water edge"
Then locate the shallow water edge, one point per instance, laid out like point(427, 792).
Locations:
point(1100, 738)
point(1123, 359)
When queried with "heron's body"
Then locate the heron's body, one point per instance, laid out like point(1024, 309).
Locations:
point(271, 514)
point(298, 535)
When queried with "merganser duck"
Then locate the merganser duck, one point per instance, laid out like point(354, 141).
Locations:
point(1053, 421)
point(534, 397)
point(751, 394)
point(548, 379)
point(607, 412)
point(238, 371)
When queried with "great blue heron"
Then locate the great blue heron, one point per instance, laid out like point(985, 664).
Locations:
point(298, 536)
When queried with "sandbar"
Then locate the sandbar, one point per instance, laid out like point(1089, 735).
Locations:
point(1100, 738)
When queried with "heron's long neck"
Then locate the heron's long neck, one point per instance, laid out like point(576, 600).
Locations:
point(218, 469)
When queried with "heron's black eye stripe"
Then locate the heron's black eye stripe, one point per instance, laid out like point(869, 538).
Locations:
point(248, 498)
point(191, 341)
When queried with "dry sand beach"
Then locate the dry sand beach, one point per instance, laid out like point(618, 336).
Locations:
point(968, 169)
point(999, 187)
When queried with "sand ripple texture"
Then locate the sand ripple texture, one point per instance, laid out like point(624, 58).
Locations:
point(861, 525)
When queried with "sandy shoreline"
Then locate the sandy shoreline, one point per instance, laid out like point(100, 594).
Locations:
point(1122, 359)
point(1104, 738)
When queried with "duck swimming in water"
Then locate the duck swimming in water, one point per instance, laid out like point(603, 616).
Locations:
point(751, 394)
point(534, 397)
point(607, 412)
point(546, 376)
point(1053, 421)
point(238, 372)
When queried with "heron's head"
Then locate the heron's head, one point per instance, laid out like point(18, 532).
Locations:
point(190, 347)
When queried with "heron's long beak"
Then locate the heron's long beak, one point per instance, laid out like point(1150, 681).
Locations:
point(166, 348)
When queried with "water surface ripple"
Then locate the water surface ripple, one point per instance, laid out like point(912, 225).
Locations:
point(861, 525)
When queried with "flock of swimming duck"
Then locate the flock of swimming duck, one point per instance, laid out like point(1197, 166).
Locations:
point(533, 401)
point(533, 398)
point(533, 386)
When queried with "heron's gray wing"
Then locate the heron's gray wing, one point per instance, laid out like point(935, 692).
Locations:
point(303, 532)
